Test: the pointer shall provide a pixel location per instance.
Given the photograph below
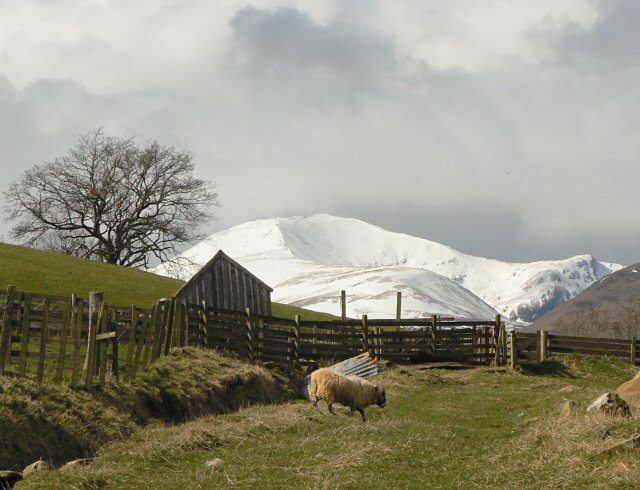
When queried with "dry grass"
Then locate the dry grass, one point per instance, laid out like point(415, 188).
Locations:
point(559, 451)
point(484, 428)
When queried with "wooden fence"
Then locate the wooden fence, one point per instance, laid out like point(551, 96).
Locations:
point(306, 342)
point(80, 341)
point(87, 342)
point(530, 347)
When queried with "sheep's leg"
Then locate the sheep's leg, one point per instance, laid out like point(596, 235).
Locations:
point(313, 391)
point(352, 411)
point(331, 410)
point(361, 410)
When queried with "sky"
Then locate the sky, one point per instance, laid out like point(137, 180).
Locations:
point(503, 129)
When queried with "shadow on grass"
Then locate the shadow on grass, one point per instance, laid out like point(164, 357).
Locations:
point(549, 367)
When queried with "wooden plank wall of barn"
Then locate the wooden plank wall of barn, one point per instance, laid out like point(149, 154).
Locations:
point(225, 286)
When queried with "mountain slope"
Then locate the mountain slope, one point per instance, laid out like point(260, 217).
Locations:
point(609, 307)
point(300, 248)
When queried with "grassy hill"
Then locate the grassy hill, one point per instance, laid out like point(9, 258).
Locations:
point(45, 272)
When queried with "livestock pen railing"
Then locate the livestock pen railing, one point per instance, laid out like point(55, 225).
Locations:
point(87, 342)
point(535, 347)
point(300, 341)
point(79, 341)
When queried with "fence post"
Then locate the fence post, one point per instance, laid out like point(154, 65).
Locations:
point(296, 341)
point(203, 325)
point(434, 338)
point(633, 350)
point(544, 340)
point(140, 345)
point(504, 343)
point(115, 362)
point(343, 305)
point(365, 334)
point(44, 332)
point(24, 341)
point(150, 341)
point(78, 304)
point(314, 341)
point(261, 338)
point(398, 309)
point(474, 341)
point(169, 325)
point(249, 335)
point(96, 299)
point(498, 340)
point(103, 346)
point(132, 342)
point(184, 332)
point(161, 326)
point(62, 347)
point(5, 337)
point(375, 341)
point(514, 349)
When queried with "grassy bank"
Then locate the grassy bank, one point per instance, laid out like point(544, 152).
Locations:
point(53, 273)
point(60, 424)
point(486, 428)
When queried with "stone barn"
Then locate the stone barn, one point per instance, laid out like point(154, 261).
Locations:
point(226, 285)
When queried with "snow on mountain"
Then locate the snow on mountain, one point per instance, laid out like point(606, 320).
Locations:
point(308, 260)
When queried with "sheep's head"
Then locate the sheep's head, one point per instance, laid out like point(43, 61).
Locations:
point(381, 396)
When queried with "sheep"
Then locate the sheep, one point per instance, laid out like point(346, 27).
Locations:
point(350, 391)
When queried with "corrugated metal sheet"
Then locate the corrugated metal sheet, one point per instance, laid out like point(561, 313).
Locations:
point(361, 365)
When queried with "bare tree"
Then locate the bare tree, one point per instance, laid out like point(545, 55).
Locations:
point(108, 199)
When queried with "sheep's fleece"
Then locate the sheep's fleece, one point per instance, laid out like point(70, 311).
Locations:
point(350, 391)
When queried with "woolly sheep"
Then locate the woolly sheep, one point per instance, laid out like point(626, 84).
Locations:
point(350, 391)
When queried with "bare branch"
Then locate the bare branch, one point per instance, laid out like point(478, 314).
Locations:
point(110, 200)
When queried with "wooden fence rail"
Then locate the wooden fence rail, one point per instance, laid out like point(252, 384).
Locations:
point(529, 347)
point(82, 342)
point(88, 342)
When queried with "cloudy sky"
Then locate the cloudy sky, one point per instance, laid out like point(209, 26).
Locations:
point(503, 129)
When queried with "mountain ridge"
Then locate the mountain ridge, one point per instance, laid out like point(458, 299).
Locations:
point(289, 252)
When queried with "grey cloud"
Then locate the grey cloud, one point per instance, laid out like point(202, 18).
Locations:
point(285, 50)
point(612, 41)
point(519, 160)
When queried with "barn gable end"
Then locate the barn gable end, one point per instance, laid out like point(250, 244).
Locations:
point(224, 284)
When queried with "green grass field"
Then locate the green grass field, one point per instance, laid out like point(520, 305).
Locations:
point(45, 272)
point(482, 428)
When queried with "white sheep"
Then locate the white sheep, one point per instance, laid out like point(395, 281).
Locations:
point(350, 391)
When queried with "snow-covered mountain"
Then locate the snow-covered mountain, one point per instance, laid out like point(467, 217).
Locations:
point(308, 260)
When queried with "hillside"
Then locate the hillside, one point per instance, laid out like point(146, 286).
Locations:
point(307, 260)
point(45, 272)
point(609, 307)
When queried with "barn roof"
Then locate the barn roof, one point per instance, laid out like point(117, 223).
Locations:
point(217, 256)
